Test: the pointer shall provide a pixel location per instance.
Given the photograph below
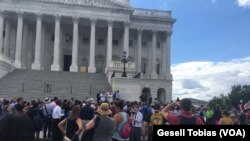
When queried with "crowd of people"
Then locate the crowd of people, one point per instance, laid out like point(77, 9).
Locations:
point(104, 120)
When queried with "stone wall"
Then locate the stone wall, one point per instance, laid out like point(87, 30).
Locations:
point(131, 89)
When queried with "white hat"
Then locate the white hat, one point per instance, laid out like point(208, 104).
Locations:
point(46, 100)
point(90, 100)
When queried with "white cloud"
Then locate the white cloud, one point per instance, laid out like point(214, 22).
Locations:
point(243, 3)
point(203, 80)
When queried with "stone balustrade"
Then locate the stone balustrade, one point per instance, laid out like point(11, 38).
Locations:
point(118, 64)
point(152, 13)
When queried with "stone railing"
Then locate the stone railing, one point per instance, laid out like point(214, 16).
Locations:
point(152, 13)
point(119, 65)
point(143, 76)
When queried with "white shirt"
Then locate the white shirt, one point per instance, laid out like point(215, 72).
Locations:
point(110, 96)
point(48, 110)
point(103, 97)
point(118, 96)
point(138, 120)
point(53, 105)
point(57, 112)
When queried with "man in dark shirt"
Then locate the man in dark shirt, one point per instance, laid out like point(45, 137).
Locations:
point(98, 98)
point(87, 113)
point(19, 106)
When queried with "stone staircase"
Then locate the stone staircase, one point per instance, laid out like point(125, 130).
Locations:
point(40, 84)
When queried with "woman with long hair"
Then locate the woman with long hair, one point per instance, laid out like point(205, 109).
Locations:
point(120, 118)
point(72, 126)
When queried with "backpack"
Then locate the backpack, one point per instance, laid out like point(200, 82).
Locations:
point(187, 121)
point(156, 119)
point(126, 128)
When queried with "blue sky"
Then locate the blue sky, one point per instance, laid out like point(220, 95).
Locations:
point(210, 43)
point(206, 30)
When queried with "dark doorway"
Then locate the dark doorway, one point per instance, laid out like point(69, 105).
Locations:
point(146, 96)
point(161, 96)
point(67, 62)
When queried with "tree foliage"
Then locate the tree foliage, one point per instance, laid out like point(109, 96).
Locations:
point(239, 93)
point(222, 101)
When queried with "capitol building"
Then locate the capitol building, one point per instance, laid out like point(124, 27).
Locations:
point(74, 48)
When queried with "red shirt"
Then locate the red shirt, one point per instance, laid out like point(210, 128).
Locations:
point(175, 120)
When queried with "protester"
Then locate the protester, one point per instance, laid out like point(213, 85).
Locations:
point(154, 118)
point(16, 127)
point(186, 117)
point(57, 117)
point(226, 120)
point(209, 116)
point(72, 126)
point(105, 126)
point(20, 105)
point(121, 118)
point(36, 117)
point(136, 120)
point(47, 111)
point(87, 113)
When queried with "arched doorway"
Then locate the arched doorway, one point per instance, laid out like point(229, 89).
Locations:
point(161, 95)
point(146, 96)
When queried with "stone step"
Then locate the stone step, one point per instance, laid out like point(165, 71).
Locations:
point(32, 84)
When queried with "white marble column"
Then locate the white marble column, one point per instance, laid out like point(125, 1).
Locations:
point(109, 43)
point(43, 46)
point(92, 68)
point(74, 65)
point(139, 36)
point(24, 46)
point(56, 62)
point(37, 62)
point(126, 38)
point(168, 53)
point(1, 31)
point(19, 39)
point(6, 50)
point(153, 73)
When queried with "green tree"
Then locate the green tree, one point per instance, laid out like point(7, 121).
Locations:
point(239, 93)
point(222, 101)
